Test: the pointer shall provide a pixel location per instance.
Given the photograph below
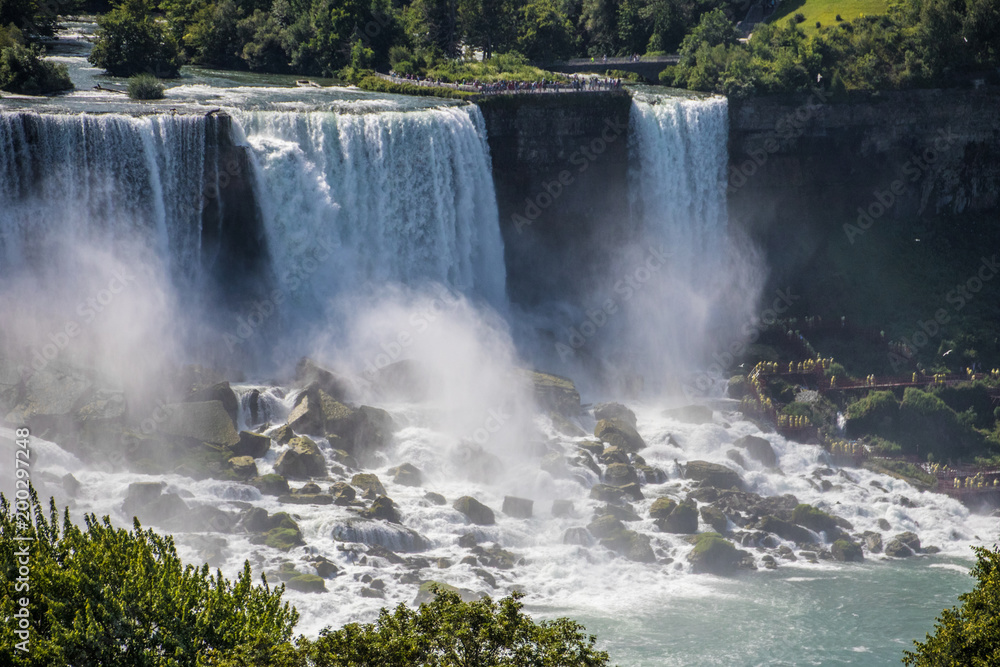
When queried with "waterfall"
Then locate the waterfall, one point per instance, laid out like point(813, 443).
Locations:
point(394, 197)
point(102, 180)
point(681, 284)
point(678, 158)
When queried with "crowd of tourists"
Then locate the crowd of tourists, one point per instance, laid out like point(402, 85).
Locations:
point(575, 84)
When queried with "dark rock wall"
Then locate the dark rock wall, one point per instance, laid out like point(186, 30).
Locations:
point(802, 167)
point(560, 165)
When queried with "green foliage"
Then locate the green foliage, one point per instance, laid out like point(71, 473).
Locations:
point(969, 634)
point(544, 32)
point(875, 414)
point(903, 470)
point(22, 69)
point(928, 425)
point(145, 87)
point(131, 41)
point(450, 633)
point(811, 517)
point(107, 596)
point(380, 85)
point(34, 18)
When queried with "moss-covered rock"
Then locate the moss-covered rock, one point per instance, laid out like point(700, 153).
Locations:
point(618, 433)
point(683, 519)
point(205, 421)
point(714, 518)
point(307, 583)
point(301, 460)
point(605, 526)
point(475, 511)
point(606, 493)
point(284, 533)
point(243, 467)
point(310, 373)
point(638, 548)
point(435, 498)
point(847, 551)
point(369, 484)
point(426, 592)
point(592, 447)
point(271, 484)
point(814, 519)
point(383, 508)
point(220, 391)
point(620, 474)
point(282, 434)
point(614, 411)
point(343, 493)
point(662, 507)
point(406, 475)
point(713, 554)
point(786, 530)
point(554, 393)
point(651, 475)
point(712, 474)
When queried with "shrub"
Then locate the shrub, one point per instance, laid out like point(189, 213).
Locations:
point(130, 41)
point(22, 69)
point(818, 24)
point(838, 18)
point(448, 631)
point(875, 414)
point(799, 17)
point(928, 425)
point(145, 87)
point(970, 634)
point(102, 595)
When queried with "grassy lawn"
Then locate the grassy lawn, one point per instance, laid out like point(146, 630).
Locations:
point(826, 11)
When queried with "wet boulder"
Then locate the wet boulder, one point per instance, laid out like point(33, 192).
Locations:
point(554, 393)
point(301, 460)
point(910, 539)
point(713, 554)
point(847, 551)
point(562, 508)
point(651, 475)
point(714, 518)
point(897, 549)
point(620, 474)
point(406, 475)
point(618, 433)
point(712, 474)
point(220, 391)
point(606, 493)
point(786, 530)
point(271, 484)
point(205, 421)
point(243, 467)
point(475, 511)
point(873, 541)
point(343, 493)
point(369, 484)
point(682, 519)
point(253, 445)
point(614, 411)
point(309, 373)
point(383, 508)
point(662, 507)
point(517, 507)
point(759, 450)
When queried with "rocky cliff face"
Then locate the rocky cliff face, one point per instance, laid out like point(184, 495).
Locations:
point(804, 167)
point(560, 165)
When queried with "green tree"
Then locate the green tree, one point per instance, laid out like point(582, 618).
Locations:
point(545, 33)
point(450, 633)
point(131, 41)
point(967, 636)
point(107, 596)
point(22, 69)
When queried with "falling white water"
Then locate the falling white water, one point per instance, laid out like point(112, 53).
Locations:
point(102, 181)
point(393, 197)
point(678, 169)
